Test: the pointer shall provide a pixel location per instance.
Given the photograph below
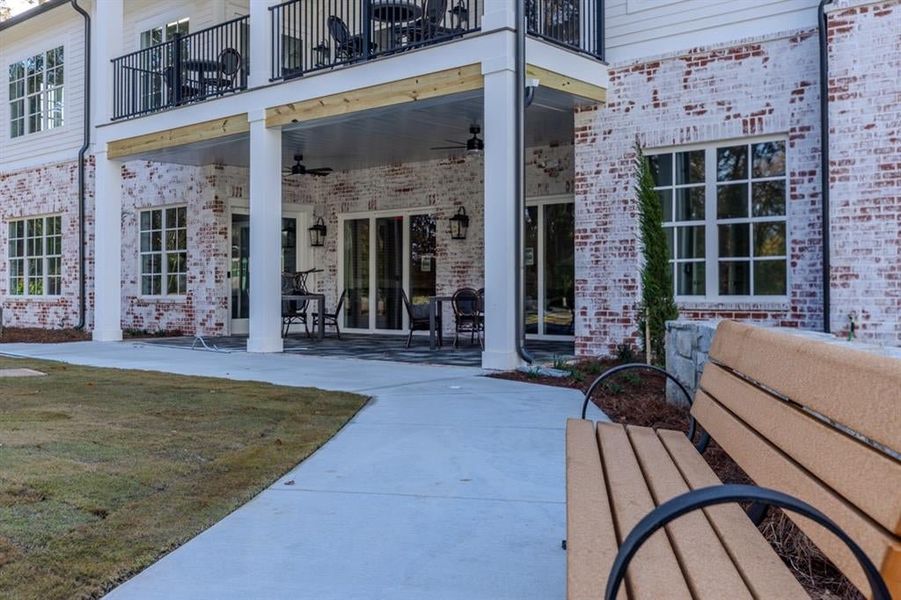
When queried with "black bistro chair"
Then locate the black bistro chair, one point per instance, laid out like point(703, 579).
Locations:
point(294, 312)
point(418, 317)
point(431, 24)
point(229, 72)
point(467, 318)
point(331, 318)
point(347, 47)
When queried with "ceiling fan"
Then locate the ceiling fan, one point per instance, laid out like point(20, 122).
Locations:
point(474, 145)
point(298, 168)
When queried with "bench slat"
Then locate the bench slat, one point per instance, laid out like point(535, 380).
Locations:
point(655, 572)
point(860, 390)
point(769, 467)
point(868, 478)
point(763, 571)
point(591, 543)
point(707, 566)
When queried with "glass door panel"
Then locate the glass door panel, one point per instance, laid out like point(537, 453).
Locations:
point(559, 269)
point(389, 272)
point(422, 258)
point(356, 273)
point(240, 266)
point(531, 257)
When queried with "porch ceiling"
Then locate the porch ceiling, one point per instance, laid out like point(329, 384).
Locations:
point(403, 133)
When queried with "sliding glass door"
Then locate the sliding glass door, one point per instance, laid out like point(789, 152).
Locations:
point(549, 264)
point(385, 256)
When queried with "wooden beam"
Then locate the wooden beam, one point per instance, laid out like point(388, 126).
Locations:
point(432, 85)
point(559, 82)
point(179, 136)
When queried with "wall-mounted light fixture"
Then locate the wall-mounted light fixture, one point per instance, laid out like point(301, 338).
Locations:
point(317, 233)
point(459, 224)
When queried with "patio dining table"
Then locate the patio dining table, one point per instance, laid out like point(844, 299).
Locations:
point(435, 305)
point(320, 308)
point(395, 12)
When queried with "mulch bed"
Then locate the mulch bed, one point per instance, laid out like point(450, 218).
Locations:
point(638, 398)
point(35, 335)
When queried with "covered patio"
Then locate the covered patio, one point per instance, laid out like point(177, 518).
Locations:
point(370, 202)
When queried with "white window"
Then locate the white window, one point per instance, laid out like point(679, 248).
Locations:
point(36, 93)
point(724, 211)
point(164, 33)
point(35, 256)
point(164, 252)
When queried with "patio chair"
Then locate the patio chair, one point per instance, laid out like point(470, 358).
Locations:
point(293, 311)
point(189, 89)
point(430, 25)
point(465, 303)
point(331, 318)
point(230, 63)
point(419, 319)
point(347, 46)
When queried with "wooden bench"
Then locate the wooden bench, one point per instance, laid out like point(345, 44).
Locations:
point(815, 420)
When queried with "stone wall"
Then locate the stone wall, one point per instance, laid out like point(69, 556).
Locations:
point(865, 168)
point(687, 348)
point(753, 87)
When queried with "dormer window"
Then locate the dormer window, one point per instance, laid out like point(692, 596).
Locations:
point(36, 98)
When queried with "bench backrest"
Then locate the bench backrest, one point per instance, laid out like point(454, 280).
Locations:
point(818, 420)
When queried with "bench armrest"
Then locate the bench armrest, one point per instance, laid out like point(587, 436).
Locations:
point(727, 494)
point(701, 445)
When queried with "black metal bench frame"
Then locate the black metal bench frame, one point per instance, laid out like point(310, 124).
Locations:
point(761, 498)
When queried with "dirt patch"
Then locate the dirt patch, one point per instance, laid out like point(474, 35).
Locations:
point(639, 398)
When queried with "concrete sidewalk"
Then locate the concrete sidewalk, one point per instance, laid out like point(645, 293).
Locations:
point(446, 485)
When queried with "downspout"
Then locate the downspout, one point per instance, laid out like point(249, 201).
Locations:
point(518, 212)
point(86, 143)
point(824, 156)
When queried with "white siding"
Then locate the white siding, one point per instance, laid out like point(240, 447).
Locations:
point(643, 28)
point(141, 15)
point(60, 26)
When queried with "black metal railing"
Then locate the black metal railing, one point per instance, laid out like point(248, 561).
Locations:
point(309, 35)
point(189, 68)
point(574, 24)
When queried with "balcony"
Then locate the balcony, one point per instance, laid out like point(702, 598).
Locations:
point(191, 68)
point(311, 35)
point(314, 35)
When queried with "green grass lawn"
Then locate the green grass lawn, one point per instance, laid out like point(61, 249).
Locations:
point(102, 471)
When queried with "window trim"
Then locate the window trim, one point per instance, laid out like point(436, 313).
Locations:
point(44, 95)
point(711, 224)
point(164, 264)
point(44, 257)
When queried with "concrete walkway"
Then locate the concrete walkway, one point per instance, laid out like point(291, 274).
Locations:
point(447, 485)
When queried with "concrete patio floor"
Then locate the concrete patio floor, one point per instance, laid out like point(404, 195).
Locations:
point(446, 485)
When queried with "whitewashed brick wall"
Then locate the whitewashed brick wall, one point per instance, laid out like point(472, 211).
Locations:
point(750, 88)
point(865, 168)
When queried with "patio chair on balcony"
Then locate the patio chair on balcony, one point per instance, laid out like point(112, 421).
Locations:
point(229, 70)
point(331, 318)
point(467, 318)
point(188, 88)
point(431, 24)
point(347, 47)
point(418, 318)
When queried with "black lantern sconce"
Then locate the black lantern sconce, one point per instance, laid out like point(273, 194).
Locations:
point(317, 233)
point(459, 224)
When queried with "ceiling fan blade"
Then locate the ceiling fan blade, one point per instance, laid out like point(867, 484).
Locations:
point(455, 142)
point(320, 171)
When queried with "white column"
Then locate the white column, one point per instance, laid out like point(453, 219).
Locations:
point(260, 43)
point(107, 41)
point(498, 14)
point(107, 249)
point(265, 235)
point(500, 204)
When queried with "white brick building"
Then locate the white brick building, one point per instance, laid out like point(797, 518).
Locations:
point(195, 109)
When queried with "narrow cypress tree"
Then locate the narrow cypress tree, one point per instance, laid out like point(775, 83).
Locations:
point(657, 303)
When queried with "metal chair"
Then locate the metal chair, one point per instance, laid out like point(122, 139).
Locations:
point(465, 303)
point(331, 318)
point(347, 46)
point(419, 322)
point(230, 66)
point(293, 311)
